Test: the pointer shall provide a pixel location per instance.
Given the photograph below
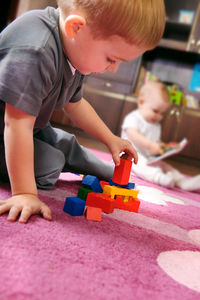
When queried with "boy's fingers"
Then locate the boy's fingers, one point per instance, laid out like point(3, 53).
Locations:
point(128, 149)
point(116, 159)
point(4, 208)
point(46, 212)
point(25, 215)
point(134, 155)
point(13, 213)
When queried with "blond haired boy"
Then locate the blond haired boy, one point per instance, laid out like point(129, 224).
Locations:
point(143, 129)
point(44, 55)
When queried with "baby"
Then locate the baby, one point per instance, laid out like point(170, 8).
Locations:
point(142, 127)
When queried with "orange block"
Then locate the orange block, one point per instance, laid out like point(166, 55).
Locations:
point(131, 205)
point(103, 201)
point(94, 214)
point(122, 172)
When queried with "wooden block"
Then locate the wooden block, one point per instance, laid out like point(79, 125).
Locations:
point(103, 183)
point(74, 206)
point(129, 186)
point(114, 191)
point(122, 172)
point(82, 193)
point(103, 201)
point(132, 205)
point(92, 182)
point(94, 213)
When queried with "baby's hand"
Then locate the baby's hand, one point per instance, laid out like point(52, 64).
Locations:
point(25, 205)
point(155, 148)
point(118, 145)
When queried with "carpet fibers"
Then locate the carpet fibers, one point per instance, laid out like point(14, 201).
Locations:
point(154, 254)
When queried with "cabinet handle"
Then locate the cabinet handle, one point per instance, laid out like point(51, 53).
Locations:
point(193, 42)
point(176, 112)
point(108, 84)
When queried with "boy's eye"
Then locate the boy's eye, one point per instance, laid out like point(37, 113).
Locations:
point(111, 61)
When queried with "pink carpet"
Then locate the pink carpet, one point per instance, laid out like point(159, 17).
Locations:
point(154, 254)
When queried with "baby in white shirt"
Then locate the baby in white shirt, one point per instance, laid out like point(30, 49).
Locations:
point(142, 127)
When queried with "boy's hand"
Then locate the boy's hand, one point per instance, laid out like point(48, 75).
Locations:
point(118, 145)
point(25, 205)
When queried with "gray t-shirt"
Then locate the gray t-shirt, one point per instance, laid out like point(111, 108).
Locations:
point(35, 75)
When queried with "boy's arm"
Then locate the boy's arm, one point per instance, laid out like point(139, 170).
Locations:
point(18, 137)
point(85, 117)
point(141, 141)
point(19, 149)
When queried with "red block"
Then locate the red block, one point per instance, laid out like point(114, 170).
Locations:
point(122, 172)
point(131, 205)
point(94, 213)
point(103, 201)
point(103, 183)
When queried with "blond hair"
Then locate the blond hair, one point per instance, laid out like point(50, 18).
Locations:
point(147, 91)
point(139, 22)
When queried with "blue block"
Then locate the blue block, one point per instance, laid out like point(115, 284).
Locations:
point(74, 206)
point(129, 186)
point(93, 183)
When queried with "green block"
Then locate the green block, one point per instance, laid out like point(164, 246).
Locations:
point(83, 192)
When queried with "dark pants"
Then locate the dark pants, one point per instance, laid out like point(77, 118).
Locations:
point(57, 151)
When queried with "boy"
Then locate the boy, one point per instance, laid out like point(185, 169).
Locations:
point(142, 127)
point(44, 57)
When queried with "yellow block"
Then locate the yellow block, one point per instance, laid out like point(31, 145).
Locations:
point(113, 191)
point(126, 198)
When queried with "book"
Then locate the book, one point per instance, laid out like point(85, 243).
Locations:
point(195, 79)
point(169, 149)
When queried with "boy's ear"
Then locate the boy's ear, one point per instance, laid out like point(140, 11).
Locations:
point(73, 24)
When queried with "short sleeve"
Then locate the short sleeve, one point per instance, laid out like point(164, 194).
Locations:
point(26, 76)
point(131, 121)
point(78, 94)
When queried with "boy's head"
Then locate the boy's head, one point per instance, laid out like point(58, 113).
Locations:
point(153, 101)
point(137, 24)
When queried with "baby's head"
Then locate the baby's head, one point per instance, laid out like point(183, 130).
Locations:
point(98, 34)
point(153, 101)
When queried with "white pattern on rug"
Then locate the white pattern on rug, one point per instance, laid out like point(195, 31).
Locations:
point(161, 227)
point(156, 196)
point(182, 266)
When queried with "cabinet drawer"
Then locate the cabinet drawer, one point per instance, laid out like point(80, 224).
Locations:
point(108, 85)
point(107, 105)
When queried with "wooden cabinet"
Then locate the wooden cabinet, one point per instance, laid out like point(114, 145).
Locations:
point(182, 122)
point(180, 33)
point(194, 39)
point(173, 61)
point(107, 104)
point(24, 5)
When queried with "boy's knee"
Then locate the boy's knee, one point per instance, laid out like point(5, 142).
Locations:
point(49, 172)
